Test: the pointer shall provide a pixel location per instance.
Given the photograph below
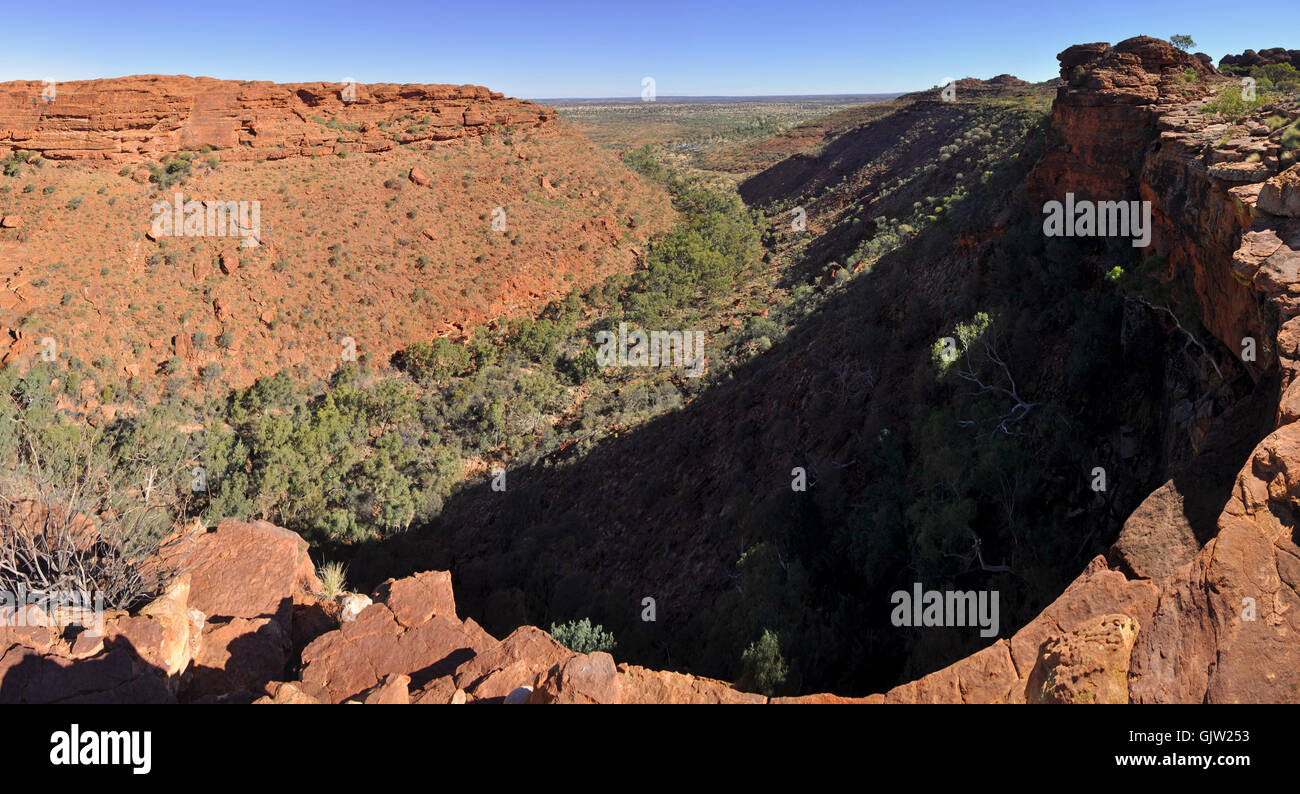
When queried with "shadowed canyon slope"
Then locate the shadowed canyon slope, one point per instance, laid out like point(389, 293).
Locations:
point(1202, 580)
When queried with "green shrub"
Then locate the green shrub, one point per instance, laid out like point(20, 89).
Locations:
point(580, 636)
point(1230, 105)
point(1291, 137)
point(762, 667)
point(172, 171)
point(437, 361)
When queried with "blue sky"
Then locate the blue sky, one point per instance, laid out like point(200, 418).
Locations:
point(601, 49)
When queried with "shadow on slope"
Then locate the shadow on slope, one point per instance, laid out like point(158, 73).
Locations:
point(911, 478)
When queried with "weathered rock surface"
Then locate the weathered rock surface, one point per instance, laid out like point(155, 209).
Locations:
point(1281, 194)
point(1088, 664)
point(358, 655)
point(516, 661)
point(582, 678)
point(1226, 626)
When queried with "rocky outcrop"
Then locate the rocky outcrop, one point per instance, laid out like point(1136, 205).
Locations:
point(1281, 194)
point(130, 119)
point(224, 629)
point(1201, 601)
point(1004, 672)
point(1263, 57)
point(1109, 100)
point(1226, 627)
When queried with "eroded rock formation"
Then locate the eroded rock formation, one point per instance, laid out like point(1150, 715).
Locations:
point(1207, 619)
point(130, 119)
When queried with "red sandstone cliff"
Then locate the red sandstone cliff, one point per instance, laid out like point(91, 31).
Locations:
point(134, 118)
point(1166, 619)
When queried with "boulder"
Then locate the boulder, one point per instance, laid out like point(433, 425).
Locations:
point(183, 346)
point(228, 260)
point(426, 643)
point(1157, 537)
point(582, 678)
point(391, 691)
point(417, 598)
point(514, 662)
point(1281, 194)
point(246, 581)
point(518, 696)
point(286, 693)
point(239, 654)
point(244, 569)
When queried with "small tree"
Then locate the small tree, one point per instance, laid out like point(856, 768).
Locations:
point(973, 352)
point(1182, 42)
point(763, 668)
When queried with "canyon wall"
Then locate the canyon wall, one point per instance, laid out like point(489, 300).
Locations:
point(1168, 618)
point(129, 119)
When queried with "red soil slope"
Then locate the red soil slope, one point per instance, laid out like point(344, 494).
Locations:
point(376, 222)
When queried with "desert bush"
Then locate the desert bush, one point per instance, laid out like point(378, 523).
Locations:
point(580, 636)
point(172, 171)
point(1291, 137)
point(439, 360)
point(84, 508)
point(1230, 105)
